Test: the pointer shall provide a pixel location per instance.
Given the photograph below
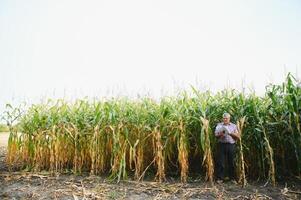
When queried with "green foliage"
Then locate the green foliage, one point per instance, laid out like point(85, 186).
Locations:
point(124, 137)
point(3, 128)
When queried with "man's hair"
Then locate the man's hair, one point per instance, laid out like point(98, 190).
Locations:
point(226, 115)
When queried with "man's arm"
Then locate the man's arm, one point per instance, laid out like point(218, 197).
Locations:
point(235, 134)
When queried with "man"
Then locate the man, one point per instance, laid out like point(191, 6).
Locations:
point(227, 134)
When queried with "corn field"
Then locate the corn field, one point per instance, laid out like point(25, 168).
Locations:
point(122, 137)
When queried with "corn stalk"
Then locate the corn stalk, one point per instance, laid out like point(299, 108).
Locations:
point(241, 162)
point(206, 146)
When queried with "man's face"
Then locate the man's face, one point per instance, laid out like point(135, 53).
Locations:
point(226, 120)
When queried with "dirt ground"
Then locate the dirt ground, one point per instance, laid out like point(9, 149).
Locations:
point(42, 185)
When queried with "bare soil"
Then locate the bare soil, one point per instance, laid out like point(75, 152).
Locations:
point(42, 185)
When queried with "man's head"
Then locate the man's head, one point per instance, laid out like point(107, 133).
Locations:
point(226, 118)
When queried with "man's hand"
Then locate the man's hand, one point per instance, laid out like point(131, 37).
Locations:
point(221, 134)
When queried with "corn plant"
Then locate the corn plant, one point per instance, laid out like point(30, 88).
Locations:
point(122, 137)
point(241, 162)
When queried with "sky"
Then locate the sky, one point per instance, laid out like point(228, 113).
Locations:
point(72, 49)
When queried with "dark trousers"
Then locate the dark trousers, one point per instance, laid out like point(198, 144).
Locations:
point(226, 153)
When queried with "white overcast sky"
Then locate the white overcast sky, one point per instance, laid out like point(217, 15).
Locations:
point(71, 48)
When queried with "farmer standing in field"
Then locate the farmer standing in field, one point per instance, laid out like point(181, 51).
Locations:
point(227, 134)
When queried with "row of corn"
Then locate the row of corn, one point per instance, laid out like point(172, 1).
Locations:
point(144, 138)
